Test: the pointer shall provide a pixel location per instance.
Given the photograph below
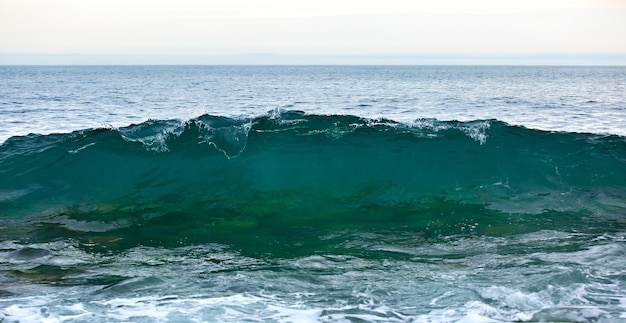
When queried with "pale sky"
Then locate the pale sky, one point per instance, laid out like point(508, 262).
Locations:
point(249, 31)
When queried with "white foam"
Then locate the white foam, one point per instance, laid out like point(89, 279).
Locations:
point(294, 314)
point(455, 280)
point(27, 309)
point(514, 298)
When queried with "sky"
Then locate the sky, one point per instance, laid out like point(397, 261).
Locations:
point(313, 32)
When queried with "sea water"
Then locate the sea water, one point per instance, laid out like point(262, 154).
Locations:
point(312, 193)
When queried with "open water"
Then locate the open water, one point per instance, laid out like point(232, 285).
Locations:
point(312, 194)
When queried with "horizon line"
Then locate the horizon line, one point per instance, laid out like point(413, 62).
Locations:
point(574, 59)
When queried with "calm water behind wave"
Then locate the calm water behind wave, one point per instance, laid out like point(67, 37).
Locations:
point(51, 99)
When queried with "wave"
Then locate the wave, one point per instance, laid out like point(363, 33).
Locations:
point(289, 176)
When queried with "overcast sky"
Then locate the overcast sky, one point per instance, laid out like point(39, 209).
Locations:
point(297, 31)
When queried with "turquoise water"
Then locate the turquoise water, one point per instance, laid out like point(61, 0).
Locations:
point(292, 216)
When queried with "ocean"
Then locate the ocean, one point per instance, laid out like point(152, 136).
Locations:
point(312, 194)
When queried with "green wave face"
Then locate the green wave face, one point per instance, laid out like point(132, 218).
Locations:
point(290, 184)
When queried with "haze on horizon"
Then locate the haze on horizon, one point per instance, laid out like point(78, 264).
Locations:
point(321, 31)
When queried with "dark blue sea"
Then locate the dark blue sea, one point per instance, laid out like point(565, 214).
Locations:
point(312, 194)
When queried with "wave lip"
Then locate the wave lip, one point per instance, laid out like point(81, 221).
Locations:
point(229, 135)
